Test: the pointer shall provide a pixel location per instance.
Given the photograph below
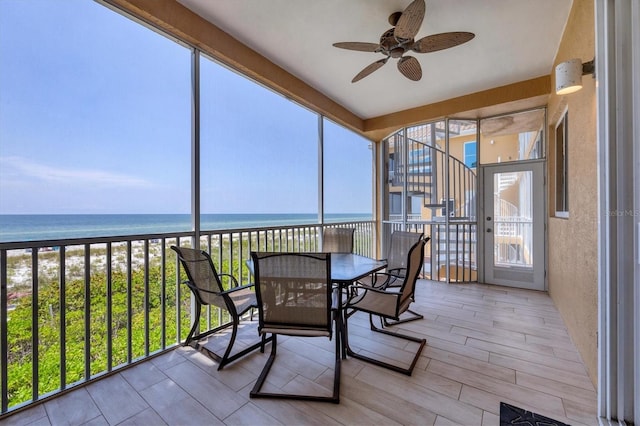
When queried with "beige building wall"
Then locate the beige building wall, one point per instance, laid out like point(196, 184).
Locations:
point(572, 242)
point(504, 148)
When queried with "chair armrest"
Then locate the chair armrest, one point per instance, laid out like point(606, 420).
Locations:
point(358, 297)
point(396, 271)
point(219, 293)
point(374, 280)
point(393, 275)
point(234, 289)
point(235, 281)
point(368, 288)
point(236, 285)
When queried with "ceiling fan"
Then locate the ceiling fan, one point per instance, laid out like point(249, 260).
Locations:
point(397, 41)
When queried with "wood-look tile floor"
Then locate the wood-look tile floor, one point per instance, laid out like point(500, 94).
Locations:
point(485, 344)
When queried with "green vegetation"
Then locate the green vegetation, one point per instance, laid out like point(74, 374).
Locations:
point(148, 294)
point(20, 327)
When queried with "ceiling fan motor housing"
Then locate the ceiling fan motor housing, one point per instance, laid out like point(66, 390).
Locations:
point(392, 46)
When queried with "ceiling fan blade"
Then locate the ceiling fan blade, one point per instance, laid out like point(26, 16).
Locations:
point(369, 69)
point(410, 68)
point(410, 20)
point(441, 41)
point(357, 45)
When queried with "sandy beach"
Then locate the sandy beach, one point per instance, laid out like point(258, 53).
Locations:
point(20, 263)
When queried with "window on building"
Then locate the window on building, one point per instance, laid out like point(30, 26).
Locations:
point(470, 154)
point(561, 182)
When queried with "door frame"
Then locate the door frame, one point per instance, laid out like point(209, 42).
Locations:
point(482, 225)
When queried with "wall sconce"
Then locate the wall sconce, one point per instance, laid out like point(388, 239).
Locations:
point(569, 75)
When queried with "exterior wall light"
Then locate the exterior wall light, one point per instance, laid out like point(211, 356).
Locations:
point(569, 75)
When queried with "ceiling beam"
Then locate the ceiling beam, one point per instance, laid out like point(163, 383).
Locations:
point(537, 89)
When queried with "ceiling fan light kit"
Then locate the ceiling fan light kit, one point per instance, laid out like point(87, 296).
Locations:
point(397, 41)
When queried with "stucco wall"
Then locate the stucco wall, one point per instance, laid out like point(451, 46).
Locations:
point(503, 148)
point(572, 244)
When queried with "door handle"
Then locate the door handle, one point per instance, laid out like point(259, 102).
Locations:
point(488, 229)
point(488, 218)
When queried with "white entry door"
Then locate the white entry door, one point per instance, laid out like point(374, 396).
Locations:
point(514, 235)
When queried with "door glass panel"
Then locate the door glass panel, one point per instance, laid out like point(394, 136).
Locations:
point(513, 221)
point(512, 137)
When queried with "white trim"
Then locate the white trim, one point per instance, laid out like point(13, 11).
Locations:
point(617, 70)
point(531, 278)
point(635, 71)
point(603, 203)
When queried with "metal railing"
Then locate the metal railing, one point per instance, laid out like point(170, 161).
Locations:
point(453, 247)
point(513, 231)
point(513, 242)
point(75, 310)
point(448, 188)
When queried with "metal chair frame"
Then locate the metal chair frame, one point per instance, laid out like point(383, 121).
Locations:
point(193, 338)
point(413, 270)
point(289, 329)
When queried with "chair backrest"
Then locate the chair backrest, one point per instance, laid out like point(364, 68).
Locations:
point(401, 243)
point(415, 260)
point(204, 281)
point(294, 293)
point(337, 240)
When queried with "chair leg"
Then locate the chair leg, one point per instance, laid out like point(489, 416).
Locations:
point(414, 316)
point(337, 364)
point(378, 362)
point(255, 392)
point(226, 358)
point(263, 341)
point(196, 322)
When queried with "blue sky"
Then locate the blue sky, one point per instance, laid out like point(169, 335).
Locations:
point(95, 117)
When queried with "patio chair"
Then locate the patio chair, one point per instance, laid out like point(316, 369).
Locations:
point(295, 298)
point(388, 303)
point(206, 287)
point(401, 243)
point(392, 276)
point(337, 240)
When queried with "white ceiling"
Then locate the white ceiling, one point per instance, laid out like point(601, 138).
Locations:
point(515, 40)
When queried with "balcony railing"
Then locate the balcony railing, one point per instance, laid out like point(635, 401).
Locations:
point(75, 310)
point(452, 246)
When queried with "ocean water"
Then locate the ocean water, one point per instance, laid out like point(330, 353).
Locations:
point(15, 228)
